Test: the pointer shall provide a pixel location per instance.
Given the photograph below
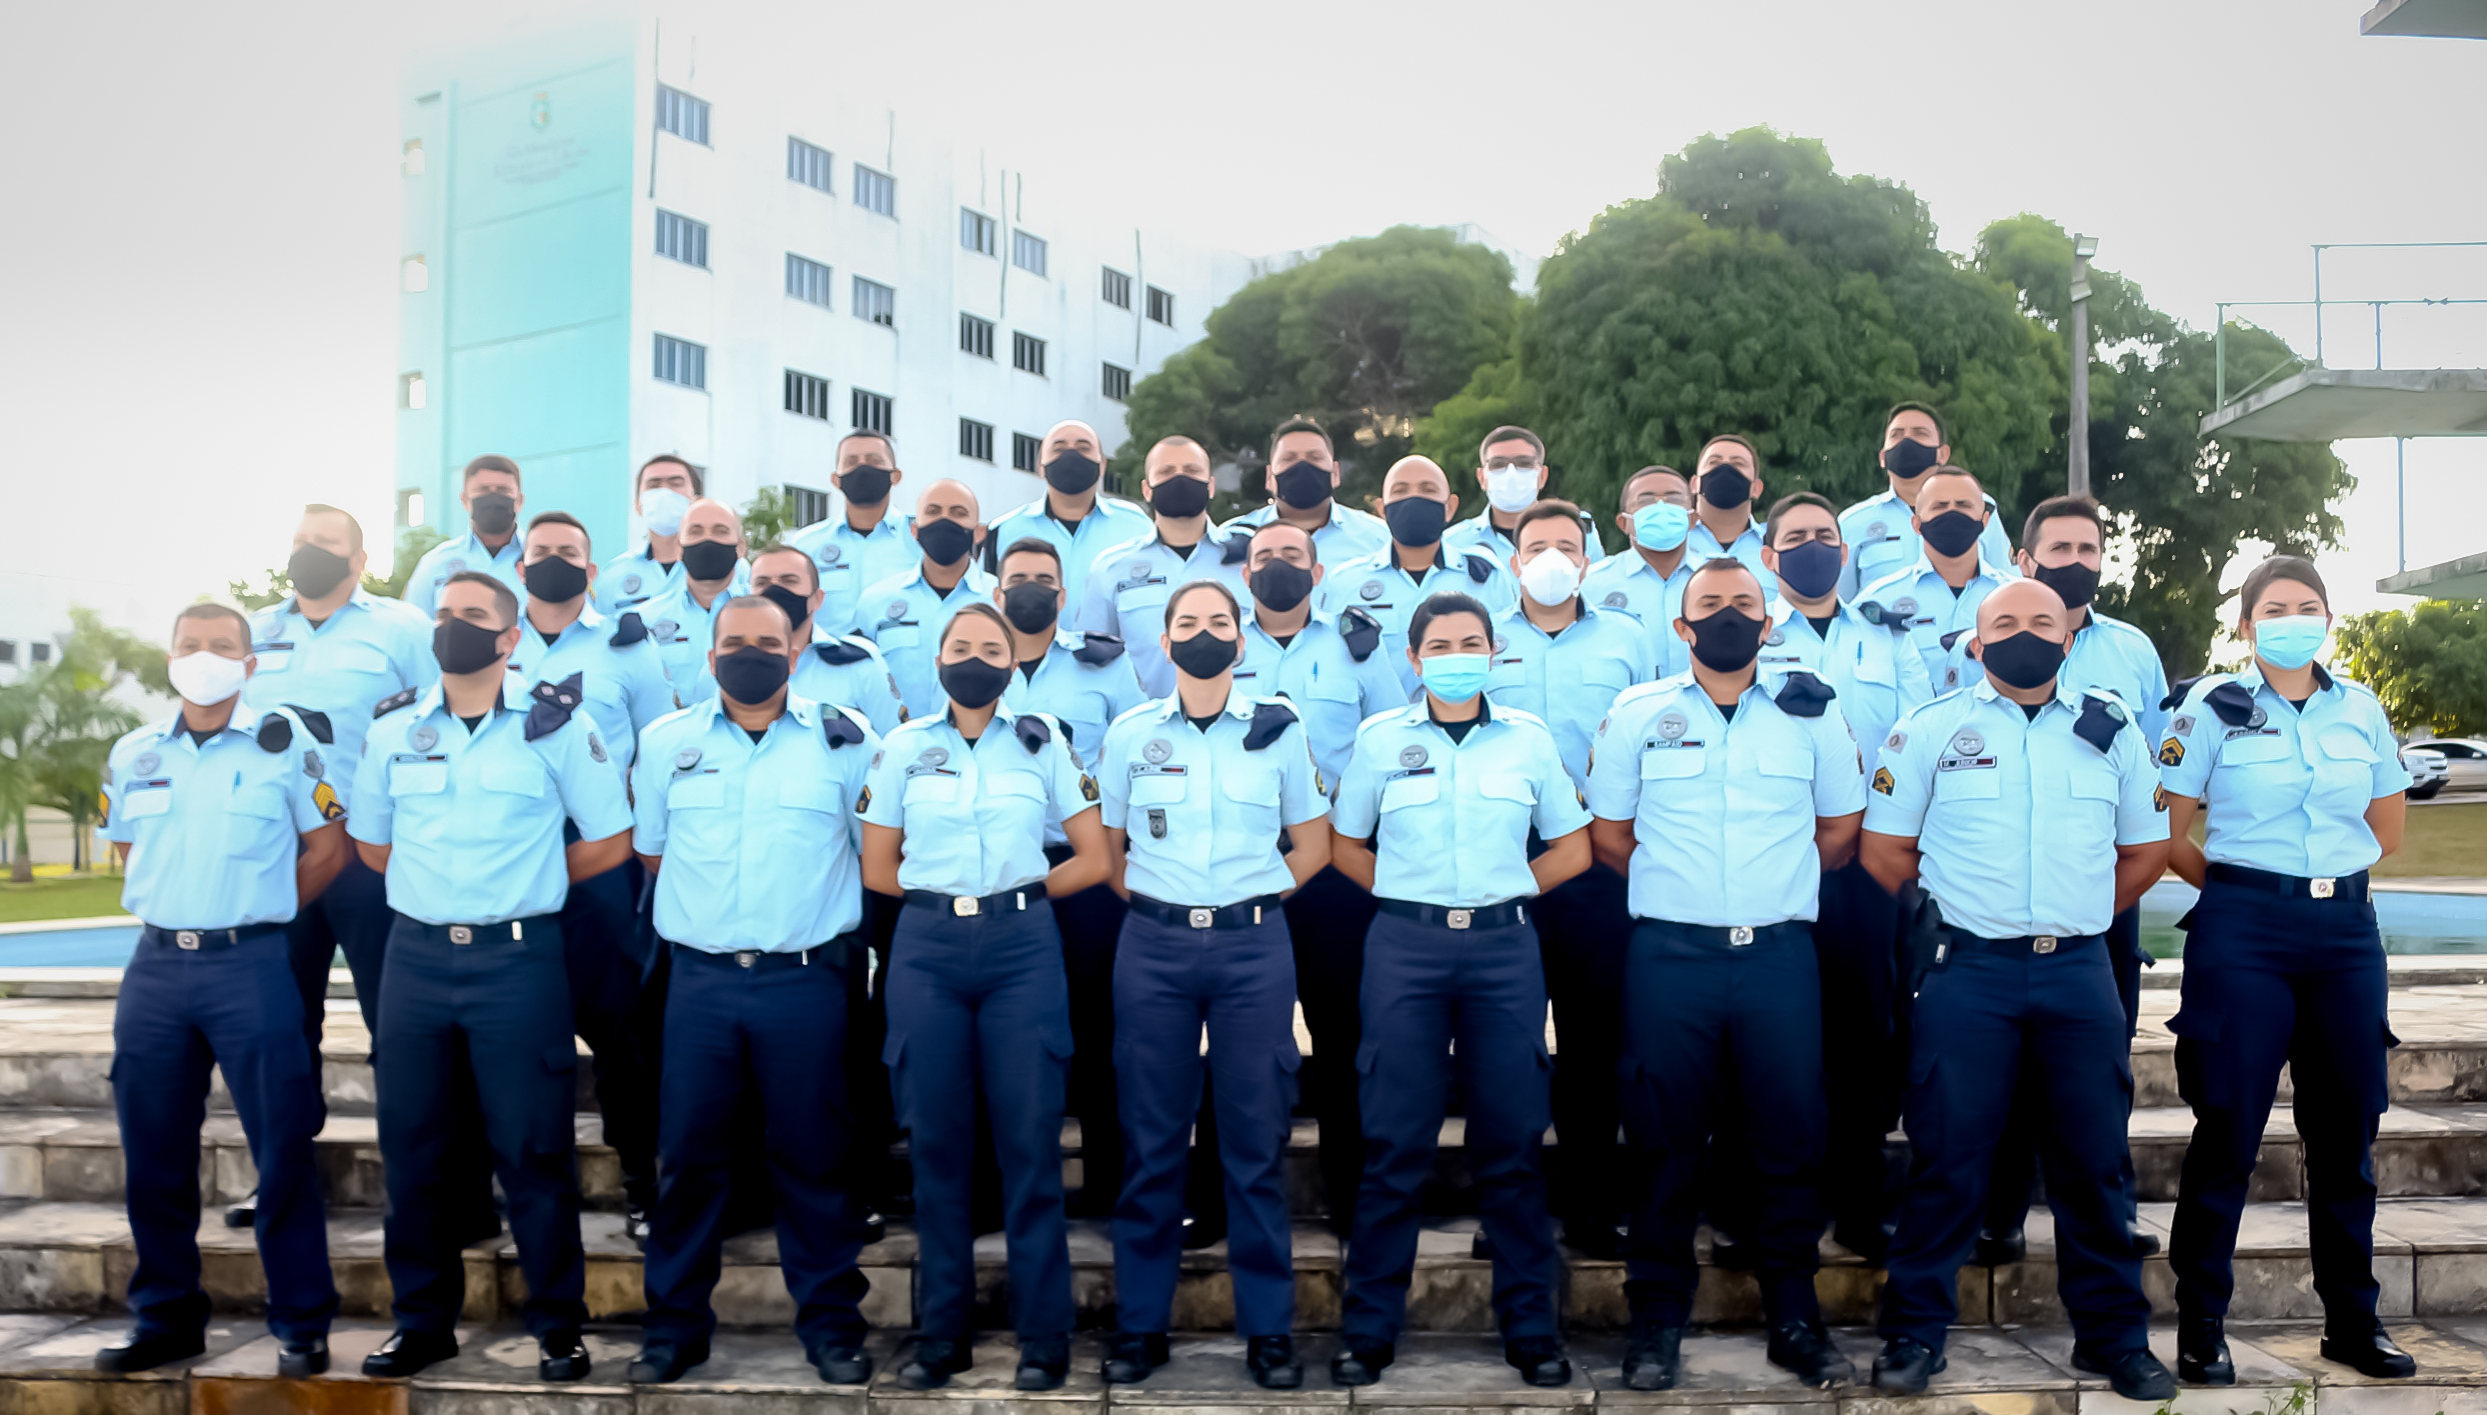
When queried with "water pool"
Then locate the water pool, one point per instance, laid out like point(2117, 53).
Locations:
point(2411, 922)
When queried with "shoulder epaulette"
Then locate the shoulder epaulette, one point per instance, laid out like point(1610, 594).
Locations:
point(628, 629)
point(1871, 611)
point(840, 651)
point(1233, 549)
point(1270, 721)
point(2102, 717)
point(554, 702)
point(1949, 639)
point(1033, 732)
point(1098, 650)
point(1361, 630)
point(1803, 695)
point(840, 728)
point(2228, 699)
point(1480, 569)
point(394, 701)
point(316, 721)
point(275, 733)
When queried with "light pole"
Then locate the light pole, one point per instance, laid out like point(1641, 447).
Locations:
point(2078, 481)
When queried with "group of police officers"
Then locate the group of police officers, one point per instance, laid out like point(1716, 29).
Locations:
point(1804, 824)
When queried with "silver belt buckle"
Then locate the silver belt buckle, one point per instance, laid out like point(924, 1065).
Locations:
point(1739, 936)
point(187, 938)
point(460, 933)
point(2322, 888)
point(1459, 918)
point(1203, 918)
point(745, 958)
point(965, 906)
point(2043, 943)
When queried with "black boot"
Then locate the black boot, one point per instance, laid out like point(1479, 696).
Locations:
point(1273, 1364)
point(1806, 1350)
point(2001, 1248)
point(1539, 1360)
point(933, 1362)
point(144, 1351)
point(1133, 1356)
point(1905, 1365)
point(2369, 1352)
point(661, 1363)
point(1654, 1358)
point(2135, 1374)
point(2202, 1352)
point(563, 1357)
point(1043, 1362)
point(407, 1352)
point(302, 1357)
point(1360, 1363)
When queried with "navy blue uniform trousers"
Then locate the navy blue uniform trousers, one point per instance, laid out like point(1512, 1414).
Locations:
point(1712, 1028)
point(181, 1013)
point(980, 1004)
point(351, 914)
point(1326, 923)
point(1584, 929)
point(778, 1033)
point(1990, 1015)
point(1170, 981)
point(2016, 1155)
point(606, 953)
point(1428, 988)
point(494, 1016)
point(2271, 980)
point(1091, 921)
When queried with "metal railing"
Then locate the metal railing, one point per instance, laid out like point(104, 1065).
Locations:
point(2220, 336)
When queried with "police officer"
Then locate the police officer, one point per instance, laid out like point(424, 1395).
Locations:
point(1435, 816)
point(660, 496)
point(1511, 471)
point(682, 620)
point(1563, 661)
point(954, 821)
point(225, 824)
point(1934, 600)
point(1881, 530)
point(868, 541)
point(1330, 669)
point(1648, 584)
point(2028, 808)
point(1728, 478)
point(560, 634)
point(1199, 787)
point(746, 814)
point(2296, 776)
point(1074, 514)
point(1302, 480)
point(902, 614)
point(843, 671)
point(493, 501)
point(1126, 591)
point(1722, 794)
point(1416, 504)
point(461, 802)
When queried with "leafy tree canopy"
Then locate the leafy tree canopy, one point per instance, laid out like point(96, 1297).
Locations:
point(2428, 664)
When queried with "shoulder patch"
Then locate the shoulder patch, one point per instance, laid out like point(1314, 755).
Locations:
point(1098, 650)
point(628, 629)
point(1033, 732)
point(1803, 695)
point(1480, 569)
point(394, 701)
point(275, 733)
point(840, 651)
point(839, 729)
point(554, 702)
point(318, 722)
point(2172, 752)
point(1361, 630)
point(1270, 721)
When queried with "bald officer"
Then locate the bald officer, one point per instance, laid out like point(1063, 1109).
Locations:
point(1933, 601)
point(1127, 589)
point(903, 614)
point(1416, 505)
point(1074, 513)
point(681, 619)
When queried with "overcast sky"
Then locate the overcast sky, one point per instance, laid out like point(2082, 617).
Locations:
point(196, 273)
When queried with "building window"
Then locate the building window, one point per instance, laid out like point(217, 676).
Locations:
point(1023, 450)
point(807, 395)
point(1117, 383)
point(411, 163)
point(807, 280)
point(415, 275)
point(411, 391)
point(806, 506)
point(976, 439)
point(680, 238)
point(1161, 306)
point(1117, 291)
point(869, 412)
point(807, 164)
point(681, 361)
point(1027, 353)
point(682, 115)
point(8, 650)
point(875, 302)
point(876, 191)
point(39, 652)
point(1027, 252)
point(976, 336)
point(976, 231)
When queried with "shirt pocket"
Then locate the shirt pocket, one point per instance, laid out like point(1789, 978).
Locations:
point(1673, 763)
point(258, 811)
point(2344, 766)
point(1971, 783)
point(898, 636)
point(1509, 800)
point(418, 778)
point(823, 796)
point(146, 802)
point(1253, 787)
point(1410, 791)
point(1020, 796)
point(704, 792)
point(513, 778)
point(1159, 789)
point(2258, 750)
point(932, 791)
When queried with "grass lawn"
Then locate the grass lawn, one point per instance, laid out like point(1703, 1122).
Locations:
point(59, 897)
point(2441, 840)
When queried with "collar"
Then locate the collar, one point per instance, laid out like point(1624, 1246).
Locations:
point(1390, 557)
point(711, 711)
point(359, 599)
point(2251, 676)
point(1157, 537)
point(1785, 611)
point(1985, 570)
point(475, 543)
point(2066, 695)
point(966, 577)
point(1517, 616)
point(647, 552)
point(890, 521)
point(1003, 717)
point(1171, 707)
point(1485, 712)
point(1752, 528)
point(588, 620)
point(171, 727)
point(514, 692)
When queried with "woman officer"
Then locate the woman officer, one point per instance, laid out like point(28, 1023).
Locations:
point(1198, 788)
point(1433, 817)
point(954, 822)
point(2302, 789)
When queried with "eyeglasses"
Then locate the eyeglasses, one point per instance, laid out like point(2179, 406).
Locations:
point(1504, 464)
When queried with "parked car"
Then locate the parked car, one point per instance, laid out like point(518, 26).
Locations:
point(2465, 761)
point(2427, 771)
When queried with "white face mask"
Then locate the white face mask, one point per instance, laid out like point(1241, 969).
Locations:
point(206, 678)
point(1550, 579)
point(662, 510)
point(1511, 489)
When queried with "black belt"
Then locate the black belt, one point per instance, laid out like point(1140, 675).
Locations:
point(1741, 935)
point(1961, 940)
point(1484, 916)
point(2349, 887)
point(194, 940)
point(968, 906)
point(757, 961)
point(510, 931)
point(1229, 916)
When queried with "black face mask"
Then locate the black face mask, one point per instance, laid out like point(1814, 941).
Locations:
point(945, 541)
point(1812, 569)
point(709, 559)
point(864, 486)
point(1727, 641)
point(462, 647)
point(751, 676)
point(1071, 473)
point(798, 608)
point(492, 514)
point(1281, 585)
point(1908, 459)
point(315, 571)
point(554, 580)
point(2076, 584)
point(1415, 520)
point(1303, 485)
point(1953, 532)
point(2023, 661)
point(1203, 655)
point(1180, 497)
point(1726, 487)
point(972, 682)
point(1031, 608)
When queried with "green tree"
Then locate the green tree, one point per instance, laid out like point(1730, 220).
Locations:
point(768, 518)
point(58, 722)
point(2427, 664)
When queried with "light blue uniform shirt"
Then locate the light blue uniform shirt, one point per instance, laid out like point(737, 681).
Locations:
point(1701, 547)
point(1319, 674)
point(370, 648)
point(1724, 812)
point(2017, 820)
point(761, 843)
point(683, 631)
point(634, 577)
point(1378, 585)
point(1874, 673)
point(974, 815)
point(464, 552)
point(862, 680)
point(213, 830)
point(1449, 821)
point(1627, 584)
point(1567, 680)
point(1202, 811)
point(1128, 588)
point(2106, 653)
point(1111, 522)
point(1082, 697)
point(1349, 534)
point(1935, 618)
point(904, 616)
point(1882, 540)
point(848, 560)
point(1480, 534)
point(626, 687)
point(2285, 791)
point(474, 822)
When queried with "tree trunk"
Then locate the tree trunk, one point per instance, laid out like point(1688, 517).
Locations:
point(22, 863)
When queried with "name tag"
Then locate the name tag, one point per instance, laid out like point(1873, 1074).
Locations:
point(1963, 763)
point(1656, 744)
point(141, 799)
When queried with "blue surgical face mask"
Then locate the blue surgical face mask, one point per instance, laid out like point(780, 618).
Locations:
point(2290, 641)
point(1454, 677)
point(1661, 525)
